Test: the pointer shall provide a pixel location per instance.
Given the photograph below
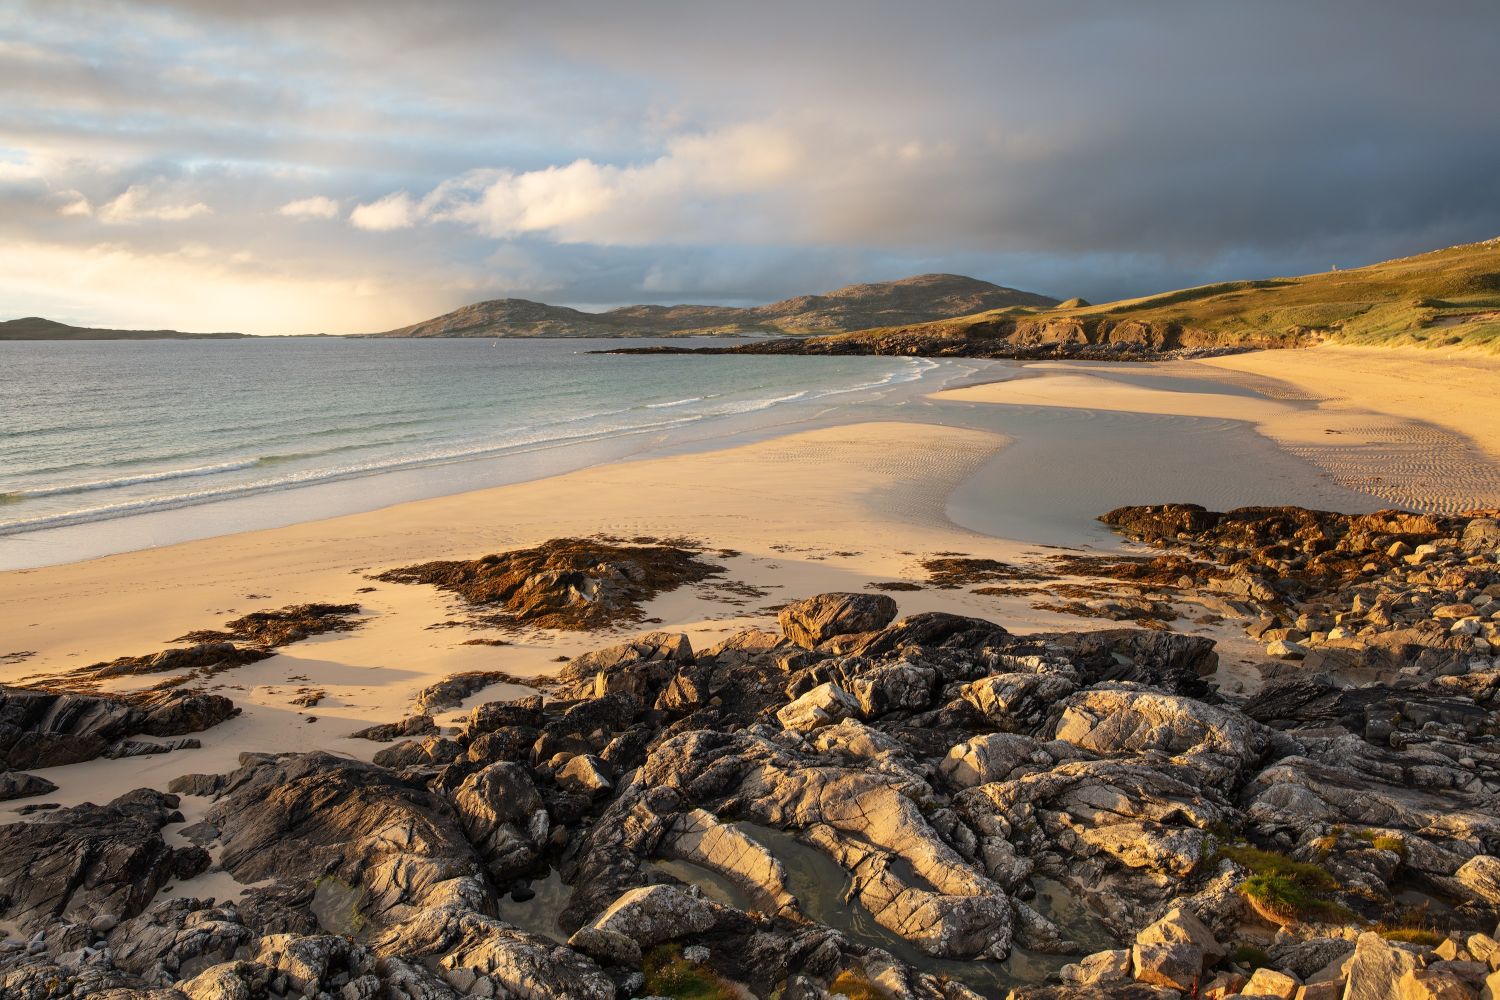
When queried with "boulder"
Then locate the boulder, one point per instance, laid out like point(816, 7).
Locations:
point(983, 759)
point(586, 774)
point(504, 818)
point(822, 706)
point(816, 619)
point(1481, 876)
point(1377, 968)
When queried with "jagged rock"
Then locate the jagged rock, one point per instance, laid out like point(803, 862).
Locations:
point(566, 583)
point(47, 729)
point(304, 818)
point(699, 837)
point(1100, 967)
point(91, 861)
point(983, 759)
point(429, 752)
point(476, 953)
point(1116, 720)
point(1266, 982)
point(15, 785)
point(1482, 535)
point(1376, 968)
point(182, 937)
point(451, 691)
point(638, 668)
point(586, 774)
point(653, 914)
point(493, 715)
point(813, 620)
point(822, 706)
point(504, 818)
point(412, 725)
point(1017, 700)
point(1481, 876)
point(201, 658)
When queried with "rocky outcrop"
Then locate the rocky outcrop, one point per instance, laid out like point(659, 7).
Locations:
point(91, 863)
point(929, 784)
point(808, 623)
point(566, 583)
point(268, 629)
point(47, 729)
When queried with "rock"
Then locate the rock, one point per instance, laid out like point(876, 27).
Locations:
point(1481, 876)
point(495, 715)
point(638, 668)
point(1100, 967)
point(412, 725)
point(504, 818)
point(1017, 701)
point(15, 785)
point(429, 752)
point(983, 759)
point(47, 729)
point(311, 819)
point(1482, 535)
point(1426, 984)
point(88, 861)
point(1173, 951)
point(1285, 649)
point(653, 914)
point(1484, 948)
point(1128, 719)
point(1270, 983)
point(565, 583)
point(1377, 968)
point(816, 619)
point(1175, 966)
point(822, 706)
point(587, 774)
point(268, 629)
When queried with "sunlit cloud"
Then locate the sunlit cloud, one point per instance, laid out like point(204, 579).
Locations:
point(317, 207)
point(592, 154)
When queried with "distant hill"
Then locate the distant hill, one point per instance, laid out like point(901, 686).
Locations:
point(36, 328)
point(1448, 297)
point(911, 300)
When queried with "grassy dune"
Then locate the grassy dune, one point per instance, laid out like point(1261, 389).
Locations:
point(1445, 298)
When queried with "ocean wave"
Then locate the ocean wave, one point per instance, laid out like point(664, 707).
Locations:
point(133, 480)
point(281, 471)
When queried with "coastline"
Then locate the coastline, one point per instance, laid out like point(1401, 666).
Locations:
point(858, 500)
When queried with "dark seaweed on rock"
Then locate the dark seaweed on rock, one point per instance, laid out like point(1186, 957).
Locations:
point(565, 583)
point(284, 627)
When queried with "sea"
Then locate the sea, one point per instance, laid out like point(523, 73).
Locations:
point(111, 437)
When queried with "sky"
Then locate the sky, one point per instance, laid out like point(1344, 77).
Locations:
point(291, 166)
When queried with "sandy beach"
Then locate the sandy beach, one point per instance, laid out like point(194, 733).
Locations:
point(821, 510)
point(1412, 427)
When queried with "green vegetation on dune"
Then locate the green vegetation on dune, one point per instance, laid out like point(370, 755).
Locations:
point(1444, 298)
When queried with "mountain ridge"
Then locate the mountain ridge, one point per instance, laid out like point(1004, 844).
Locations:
point(37, 328)
point(920, 298)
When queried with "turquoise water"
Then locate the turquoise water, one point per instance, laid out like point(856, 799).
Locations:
point(104, 430)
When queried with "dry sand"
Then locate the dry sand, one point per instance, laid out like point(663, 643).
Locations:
point(830, 509)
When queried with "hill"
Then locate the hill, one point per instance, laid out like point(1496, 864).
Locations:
point(1448, 297)
point(913, 300)
point(36, 328)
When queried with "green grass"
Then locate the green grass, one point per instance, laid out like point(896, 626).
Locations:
point(1270, 863)
point(1383, 841)
point(668, 974)
point(1291, 900)
point(1436, 299)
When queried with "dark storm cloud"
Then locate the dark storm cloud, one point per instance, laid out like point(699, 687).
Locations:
point(600, 153)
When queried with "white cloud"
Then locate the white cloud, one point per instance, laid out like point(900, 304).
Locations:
point(317, 207)
point(138, 204)
point(76, 205)
point(394, 211)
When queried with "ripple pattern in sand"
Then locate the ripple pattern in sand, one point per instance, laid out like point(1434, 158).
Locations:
point(1411, 465)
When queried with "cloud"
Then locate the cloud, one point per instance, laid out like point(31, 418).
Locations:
point(394, 211)
point(592, 153)
point(139, 204)
point(317, 207)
